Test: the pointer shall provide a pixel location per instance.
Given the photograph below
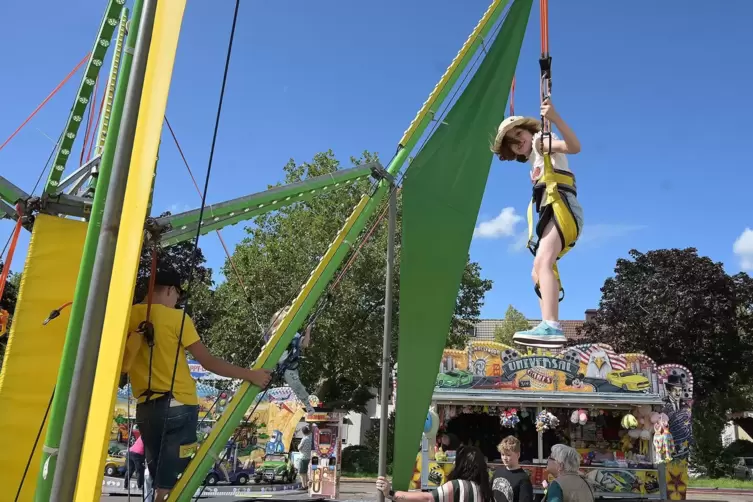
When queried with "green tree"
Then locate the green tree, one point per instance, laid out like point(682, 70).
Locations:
point(676, 306)
point(8, 302)
point(514, 321)
point(468, 306)
point(276, 258)
point(371, 437)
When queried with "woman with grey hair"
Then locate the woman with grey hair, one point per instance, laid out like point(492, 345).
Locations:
point(568, 485)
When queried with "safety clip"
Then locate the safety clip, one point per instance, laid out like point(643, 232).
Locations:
point(146, 328)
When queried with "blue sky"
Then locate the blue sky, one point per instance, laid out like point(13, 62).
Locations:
point(656, 91)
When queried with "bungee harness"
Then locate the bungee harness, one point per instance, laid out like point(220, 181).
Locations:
point(549, 191)
point(145, 333)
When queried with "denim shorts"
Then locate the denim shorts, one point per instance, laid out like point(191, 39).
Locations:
point(303, 466)
point(169, 435)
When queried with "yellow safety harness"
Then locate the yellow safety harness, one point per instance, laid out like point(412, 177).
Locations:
point(551, 205)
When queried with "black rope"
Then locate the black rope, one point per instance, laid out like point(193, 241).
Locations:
point(34, 447)
point(237, 432)
point(199, 228)
point(46, 165)
point(36, 185)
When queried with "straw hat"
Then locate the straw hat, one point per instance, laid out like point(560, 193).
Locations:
point(508, 125)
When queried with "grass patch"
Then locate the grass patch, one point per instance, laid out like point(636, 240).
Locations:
point(730, 483)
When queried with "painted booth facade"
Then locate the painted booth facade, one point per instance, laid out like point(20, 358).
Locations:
point(627, 416)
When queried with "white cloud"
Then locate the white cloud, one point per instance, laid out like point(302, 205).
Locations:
point(503, 225)
point(743, 248)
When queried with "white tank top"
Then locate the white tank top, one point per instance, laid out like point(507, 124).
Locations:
point(559, 160)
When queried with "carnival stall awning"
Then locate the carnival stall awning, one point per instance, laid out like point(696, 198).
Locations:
point(535, 398)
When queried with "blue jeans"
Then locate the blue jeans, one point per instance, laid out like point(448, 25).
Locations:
point(169, 435)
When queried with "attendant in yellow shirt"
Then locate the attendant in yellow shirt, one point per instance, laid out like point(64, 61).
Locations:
point(167, 420)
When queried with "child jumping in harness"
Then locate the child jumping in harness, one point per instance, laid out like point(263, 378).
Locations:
point(560, 215)
point(287, 365)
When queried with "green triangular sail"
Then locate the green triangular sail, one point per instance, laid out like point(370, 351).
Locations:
point(441, 200)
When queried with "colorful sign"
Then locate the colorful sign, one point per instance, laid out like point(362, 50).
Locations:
point(582, 368)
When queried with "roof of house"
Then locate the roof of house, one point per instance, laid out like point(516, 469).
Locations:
point(484, 329)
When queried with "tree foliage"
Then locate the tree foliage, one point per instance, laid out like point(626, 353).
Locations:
point(514, 321)
point(678, 307)
point(8, 302)
point(10, 293)
point(371, 437)
point(281, 250)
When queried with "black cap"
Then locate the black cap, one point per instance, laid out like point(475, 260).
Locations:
point(168, 277)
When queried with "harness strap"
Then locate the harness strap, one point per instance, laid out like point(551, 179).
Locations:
point(146, 328)
point(548, 198)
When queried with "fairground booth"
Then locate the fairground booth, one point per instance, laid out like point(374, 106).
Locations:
point(628, 417)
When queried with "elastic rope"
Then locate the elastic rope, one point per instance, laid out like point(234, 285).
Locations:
point(201, 217)
point(48, 98)
point(89, 119)
point(512, 97)
point(34, 447)
point(198, 190)
point(149, 296)
point(11, 251)
point(97, 119)
point(47, 164)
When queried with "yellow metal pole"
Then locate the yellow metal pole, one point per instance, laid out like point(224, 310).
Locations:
point(167, 23)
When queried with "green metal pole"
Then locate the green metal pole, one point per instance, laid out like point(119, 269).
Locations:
point(104, 121)
point(65, 374)
point(91, 72)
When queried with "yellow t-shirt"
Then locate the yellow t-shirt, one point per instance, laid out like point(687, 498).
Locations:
point(166, 322)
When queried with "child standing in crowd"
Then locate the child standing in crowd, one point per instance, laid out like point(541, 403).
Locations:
point(511, 481)
point(304, 447)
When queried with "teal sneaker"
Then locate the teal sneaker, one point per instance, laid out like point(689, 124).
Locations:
point(542, 335)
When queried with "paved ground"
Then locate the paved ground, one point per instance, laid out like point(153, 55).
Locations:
point(729, 496)
point(364, 492)
point(349, 492)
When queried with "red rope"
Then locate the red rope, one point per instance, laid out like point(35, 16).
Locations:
point(152, 282)
point(11, 251)
point(544, 8)
point(89, 121)
point(512, 97)
point(97, 118)
point(41, 105)
point(361, 245)
point(198, 190)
